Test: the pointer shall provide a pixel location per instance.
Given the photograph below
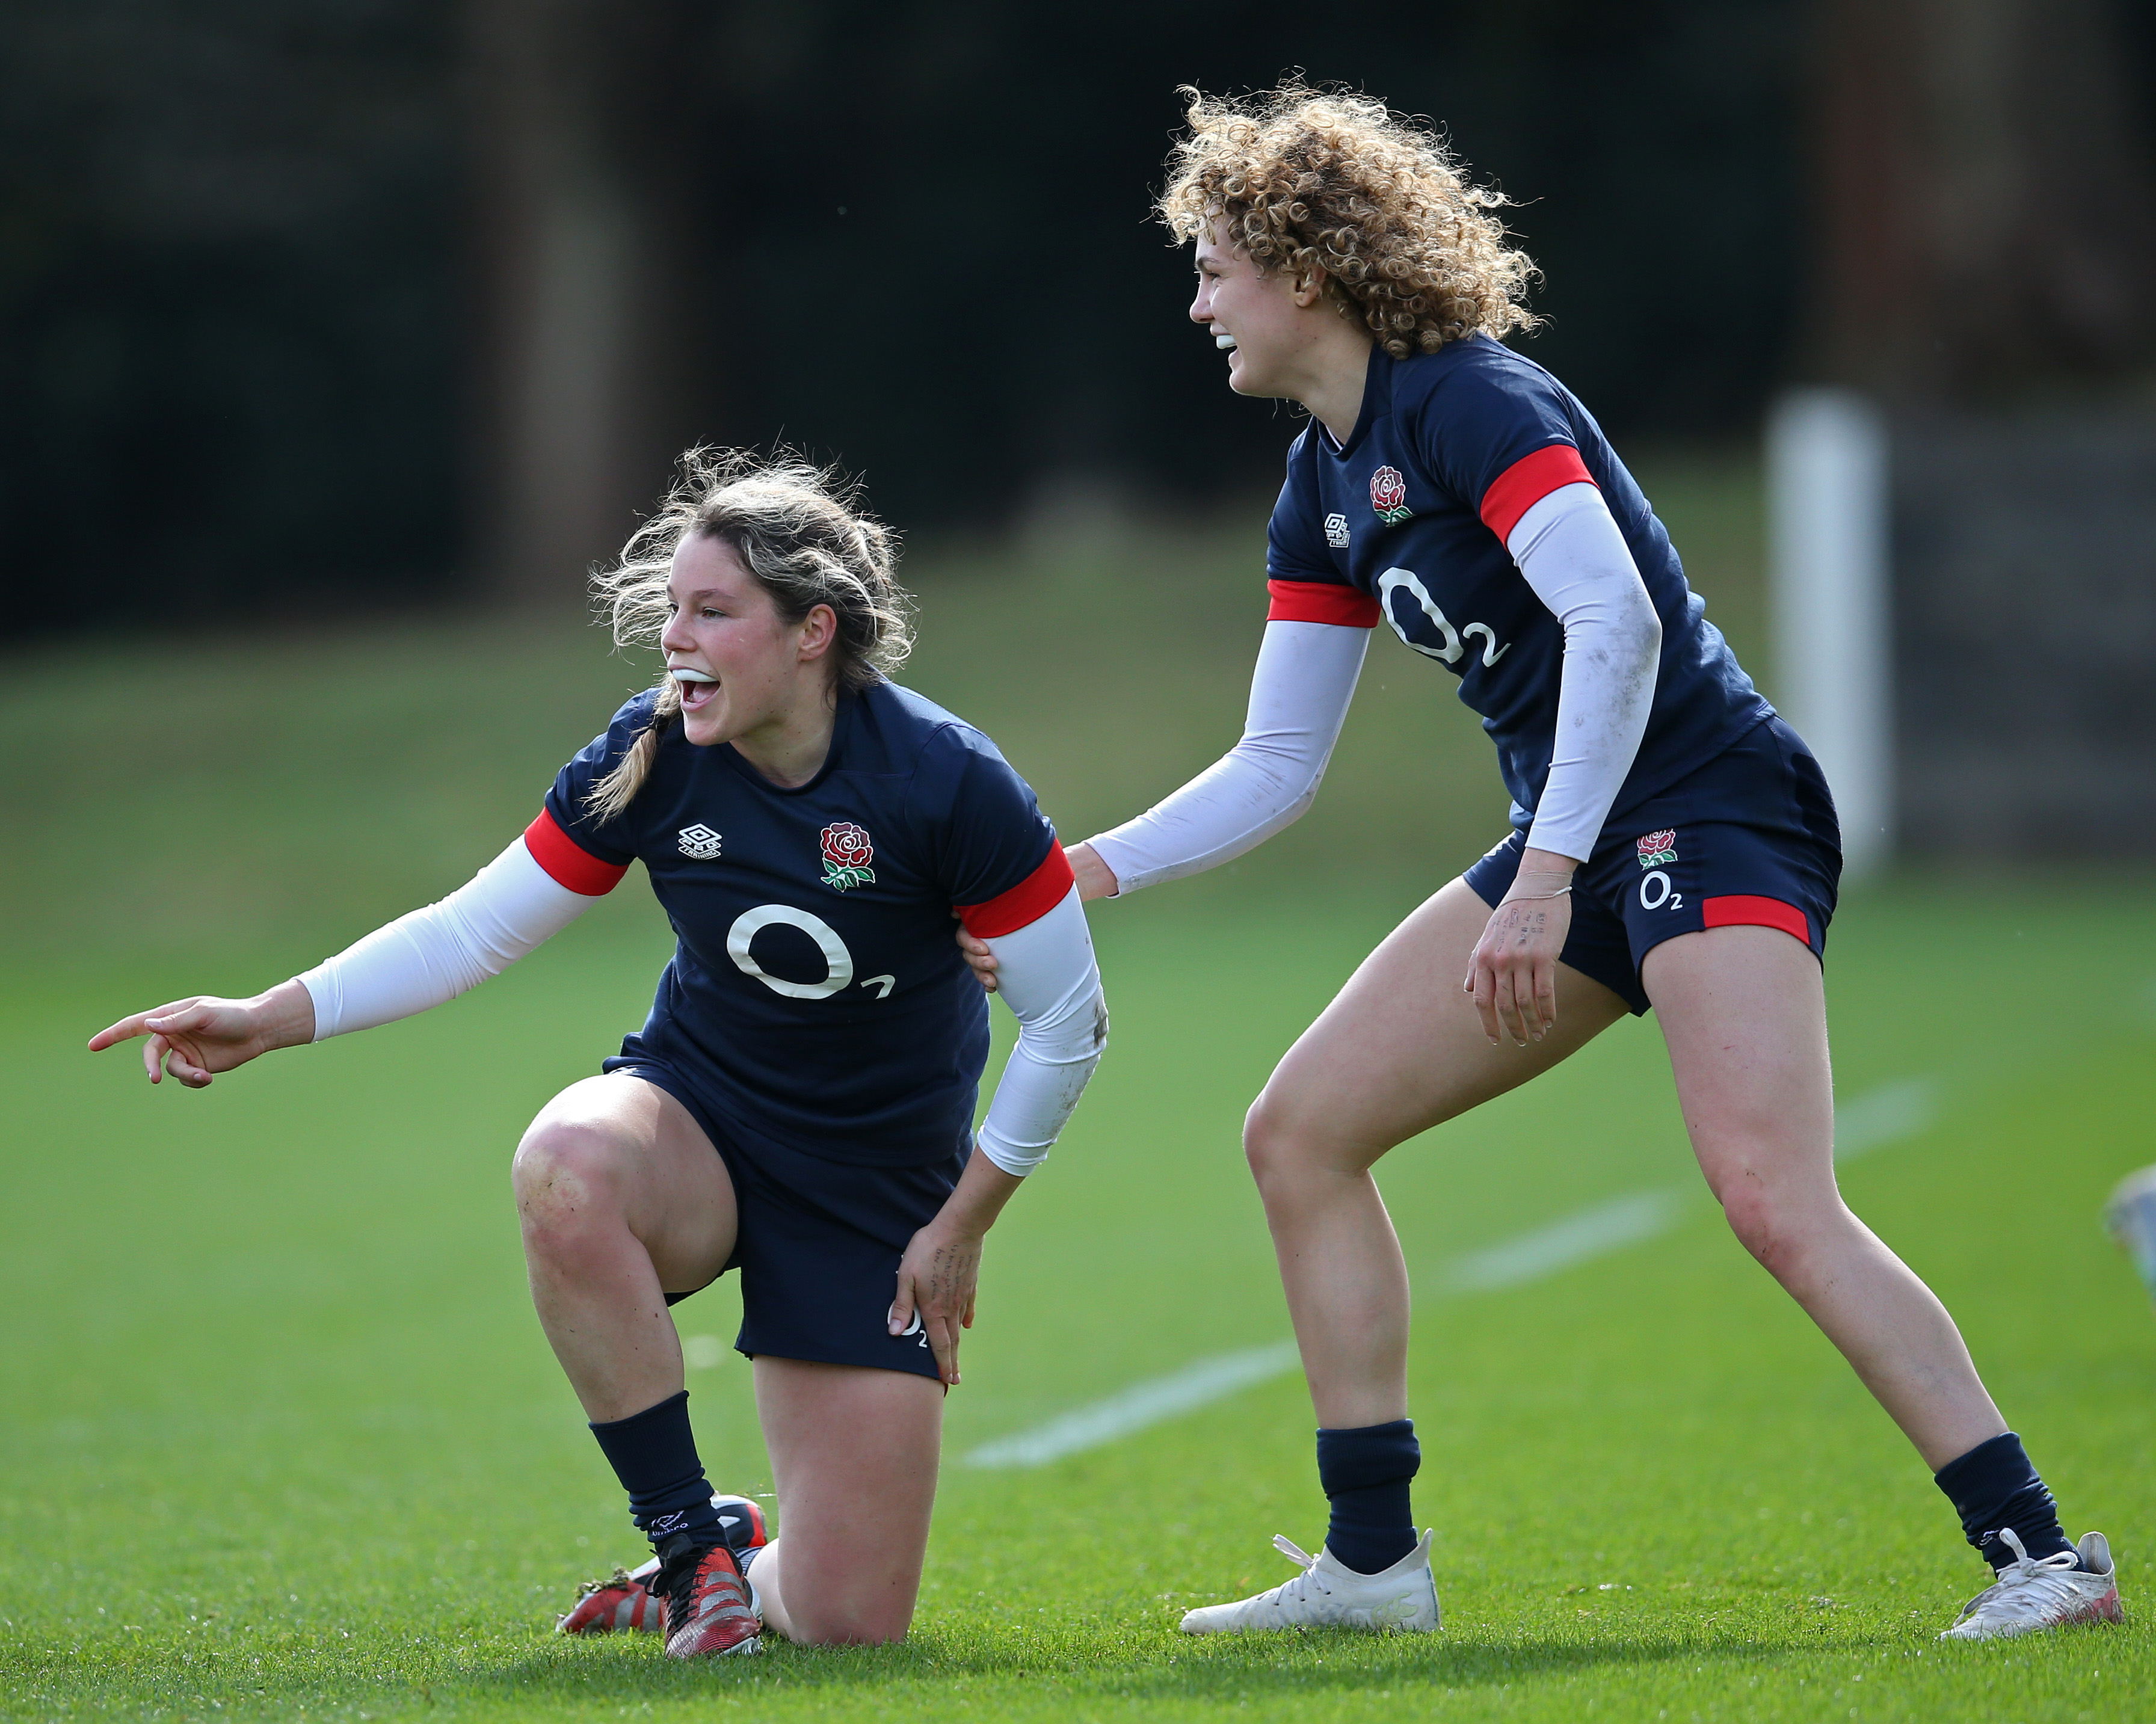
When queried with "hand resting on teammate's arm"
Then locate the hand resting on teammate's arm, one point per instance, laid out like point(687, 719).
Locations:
point(1095, 881)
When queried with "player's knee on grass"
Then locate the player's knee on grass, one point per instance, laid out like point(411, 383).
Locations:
point(849, 1628)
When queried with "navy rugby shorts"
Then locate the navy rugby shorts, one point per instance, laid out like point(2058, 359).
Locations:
point(819, 1241)
point(1748, 839)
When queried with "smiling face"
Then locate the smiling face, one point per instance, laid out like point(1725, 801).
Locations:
point(1267, 324)
point(744, 672)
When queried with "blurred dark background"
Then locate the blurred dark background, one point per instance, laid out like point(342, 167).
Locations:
point(377, 302)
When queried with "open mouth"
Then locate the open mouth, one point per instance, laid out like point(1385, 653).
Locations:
point(1225, 341)
point(698, 687)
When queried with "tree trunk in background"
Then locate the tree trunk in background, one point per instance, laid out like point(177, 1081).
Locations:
point(1987, 219)
point(589, 286)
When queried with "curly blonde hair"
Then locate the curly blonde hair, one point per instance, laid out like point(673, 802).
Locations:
point(799, 530)
point(1304, 179)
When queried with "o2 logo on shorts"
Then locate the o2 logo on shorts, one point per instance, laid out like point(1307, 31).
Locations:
point(839, 963)
point(1656, 851)
point(1451, 642)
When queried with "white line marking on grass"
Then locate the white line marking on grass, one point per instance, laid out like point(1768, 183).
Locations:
point(1885, 1115)
point(1872, 1122)
point(1141, 1404)
point(1592, 1233)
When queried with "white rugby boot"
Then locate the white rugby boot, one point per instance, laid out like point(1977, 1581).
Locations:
point(1329, 1595)
point(2030, 1595)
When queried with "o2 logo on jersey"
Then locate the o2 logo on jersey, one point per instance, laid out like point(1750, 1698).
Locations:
point(1440, 640)
point(837, 962)
point(847, 854)
point(1389, 495)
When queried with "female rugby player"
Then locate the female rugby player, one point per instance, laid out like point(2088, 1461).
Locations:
point(1674, 844)
point(799, 1103)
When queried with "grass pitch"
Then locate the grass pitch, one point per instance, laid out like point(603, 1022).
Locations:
point(278, 1436)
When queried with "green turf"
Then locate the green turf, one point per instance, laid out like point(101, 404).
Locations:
point(278, 1436)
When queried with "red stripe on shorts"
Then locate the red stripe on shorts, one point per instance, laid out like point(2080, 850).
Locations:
point(1742, 912)
point(1031, 898)
point(1321, 602)
point(1528, 481)
point(568, 862)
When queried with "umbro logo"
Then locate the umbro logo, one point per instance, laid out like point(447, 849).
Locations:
point(1336, 531)
point(699, 843)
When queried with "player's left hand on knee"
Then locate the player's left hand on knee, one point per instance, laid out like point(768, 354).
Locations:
point(937, 1281)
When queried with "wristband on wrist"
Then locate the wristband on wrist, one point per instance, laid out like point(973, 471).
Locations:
point(1538, 885)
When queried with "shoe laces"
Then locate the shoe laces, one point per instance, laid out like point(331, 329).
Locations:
point(2027, 1586)
point(1298, 1588)
point(681, 1562)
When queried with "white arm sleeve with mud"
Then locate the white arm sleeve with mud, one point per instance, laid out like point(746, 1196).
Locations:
point(511, 905)
point(1573, 556)
point(1306, 676)
point(1046, 974)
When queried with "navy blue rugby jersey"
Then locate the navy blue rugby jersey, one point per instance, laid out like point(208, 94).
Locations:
point(816, 992)
point(1407, 523)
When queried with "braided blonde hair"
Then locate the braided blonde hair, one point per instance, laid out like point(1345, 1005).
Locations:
point(1302, 179)
point(797, 529)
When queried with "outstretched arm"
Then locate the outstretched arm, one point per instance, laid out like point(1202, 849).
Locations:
point(1304, 678)
point(1300, 692)
point(1053, 987)
point(418, 961)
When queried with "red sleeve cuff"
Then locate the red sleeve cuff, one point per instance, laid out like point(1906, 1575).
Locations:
point(1321, 602)
point(1031, 898)
point(568, 862)
point(1528, 481)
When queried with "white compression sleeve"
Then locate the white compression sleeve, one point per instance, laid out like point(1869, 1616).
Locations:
point(1306, 676)
point(1046, 974)
point(435, 954)
point(1573, 556)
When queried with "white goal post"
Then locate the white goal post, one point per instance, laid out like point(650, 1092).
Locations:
point(1829, 589)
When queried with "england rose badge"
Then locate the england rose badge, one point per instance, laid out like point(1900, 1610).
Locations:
point(1389, 495)
point(1658, 849)
point(847, 854)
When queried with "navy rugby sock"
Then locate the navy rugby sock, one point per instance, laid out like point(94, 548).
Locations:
point(1993, 1486)
point(653, 1455)
point(1366, 1474)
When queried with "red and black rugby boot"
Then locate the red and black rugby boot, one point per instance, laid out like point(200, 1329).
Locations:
point(742, 1523)
point(626, 1603)
point(621, 1605)
point(708, 1613)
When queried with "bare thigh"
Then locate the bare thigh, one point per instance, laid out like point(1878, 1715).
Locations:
point(1400, 1048)
point(852, 1455)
